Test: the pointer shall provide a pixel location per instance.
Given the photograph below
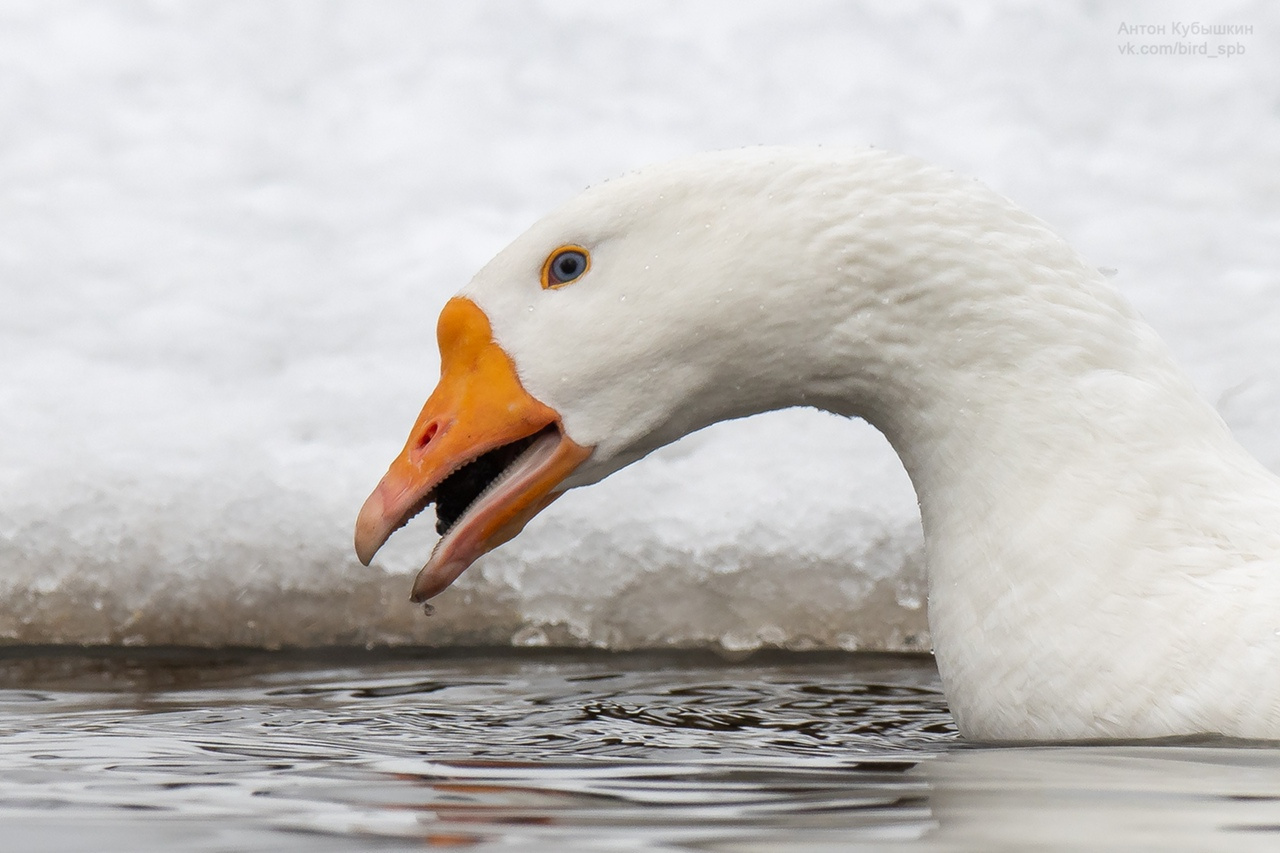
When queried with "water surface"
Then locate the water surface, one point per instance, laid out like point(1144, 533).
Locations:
point(503, 750)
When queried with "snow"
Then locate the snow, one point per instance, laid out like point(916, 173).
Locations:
point(228, 229)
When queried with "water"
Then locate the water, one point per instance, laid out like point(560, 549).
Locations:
point(163, 750)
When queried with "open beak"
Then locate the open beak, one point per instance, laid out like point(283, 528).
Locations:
point(483, 450)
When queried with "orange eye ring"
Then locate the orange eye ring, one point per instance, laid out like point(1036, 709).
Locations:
point(564, 266)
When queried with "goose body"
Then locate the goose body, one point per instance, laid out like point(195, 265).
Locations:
point(1103, 558)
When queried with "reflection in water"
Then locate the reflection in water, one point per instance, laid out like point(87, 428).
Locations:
point(1131, 797)
point(573, 752)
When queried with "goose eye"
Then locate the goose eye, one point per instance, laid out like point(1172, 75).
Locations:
point(564, 265)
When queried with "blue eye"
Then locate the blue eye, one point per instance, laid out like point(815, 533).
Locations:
point(566, 264)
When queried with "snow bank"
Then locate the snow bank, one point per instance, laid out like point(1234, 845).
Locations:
point(228, 229)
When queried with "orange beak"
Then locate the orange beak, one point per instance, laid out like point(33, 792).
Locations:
point(483, 450)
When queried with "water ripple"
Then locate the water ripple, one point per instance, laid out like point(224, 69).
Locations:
point(575, 753)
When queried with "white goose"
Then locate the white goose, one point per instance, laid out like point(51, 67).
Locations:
point(1103, 558)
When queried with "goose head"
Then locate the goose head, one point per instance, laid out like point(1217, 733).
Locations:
point(650, 306)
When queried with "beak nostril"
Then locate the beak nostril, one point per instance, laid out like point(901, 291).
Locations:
point(427, 434)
